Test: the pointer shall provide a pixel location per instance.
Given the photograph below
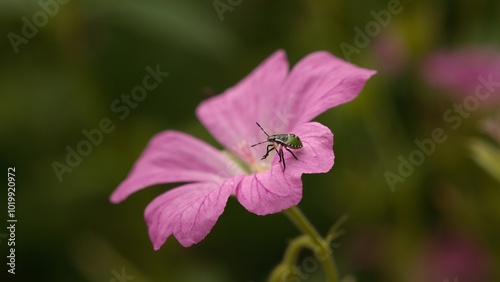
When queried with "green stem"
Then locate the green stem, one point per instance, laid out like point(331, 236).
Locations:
point(294, 248)
point(286, 268)
point(300, 220)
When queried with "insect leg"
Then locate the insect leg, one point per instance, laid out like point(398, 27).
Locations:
point(291, 153)
point(270, 147)
point(278, 152)
point(282, 157)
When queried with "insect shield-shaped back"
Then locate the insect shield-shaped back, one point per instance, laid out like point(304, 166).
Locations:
point(288, 140)
point(293, 141)
point(280, 141)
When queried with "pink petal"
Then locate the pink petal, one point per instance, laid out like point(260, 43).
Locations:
point(280, 101)
point(230, 117)
point(188, 212)
point(316, 155)
point(269, 192)
point(277, 189)
point(173, 156)
point(319, 82)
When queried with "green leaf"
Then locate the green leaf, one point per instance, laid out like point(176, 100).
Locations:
point(487, 156)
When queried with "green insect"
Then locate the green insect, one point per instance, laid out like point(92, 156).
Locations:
point(280, 141)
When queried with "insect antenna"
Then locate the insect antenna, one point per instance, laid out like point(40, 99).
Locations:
point(262, 129)
point(264, 132)
point(258, 143)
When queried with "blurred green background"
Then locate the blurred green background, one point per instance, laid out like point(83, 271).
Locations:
point(62, 79)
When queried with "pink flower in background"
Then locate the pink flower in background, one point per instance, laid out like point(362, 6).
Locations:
point(463, 71)
point(454, 255)
point(282, 101)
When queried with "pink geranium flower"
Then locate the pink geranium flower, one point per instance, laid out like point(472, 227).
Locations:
point(282, 101)
point(462, 71)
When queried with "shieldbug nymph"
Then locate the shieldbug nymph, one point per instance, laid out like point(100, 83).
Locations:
point(280, 141)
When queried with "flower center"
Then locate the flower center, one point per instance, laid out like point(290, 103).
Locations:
point(252, 163)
